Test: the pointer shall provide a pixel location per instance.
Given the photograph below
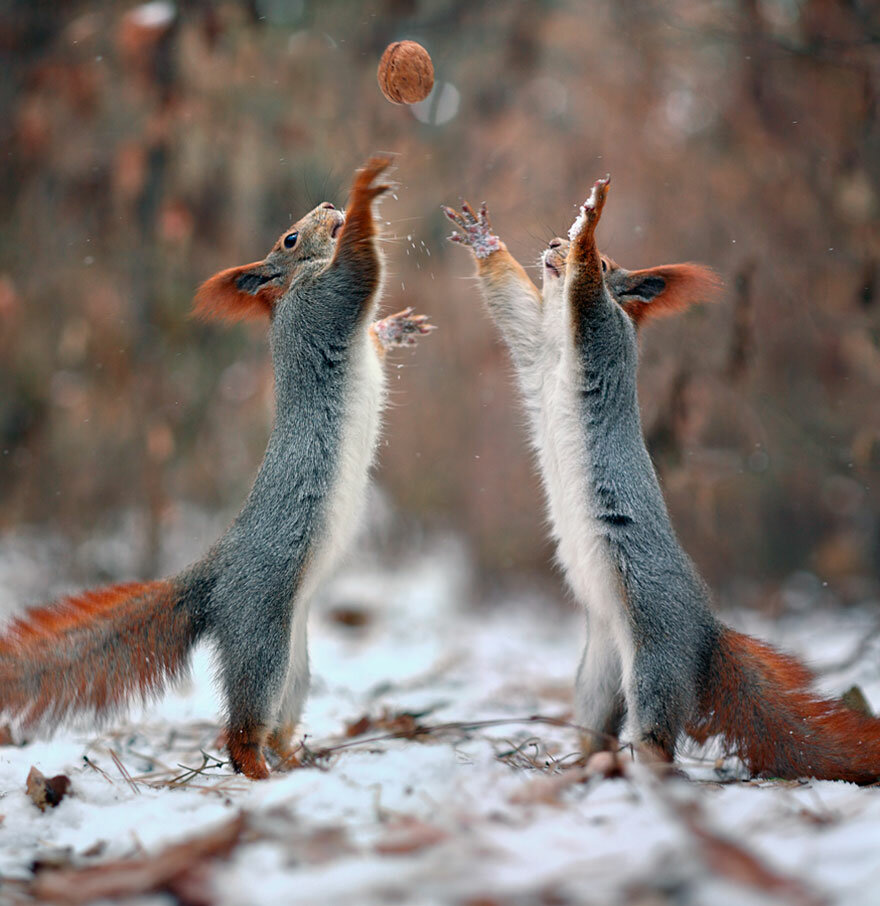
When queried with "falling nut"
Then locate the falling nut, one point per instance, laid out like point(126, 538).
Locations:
point(406, 73)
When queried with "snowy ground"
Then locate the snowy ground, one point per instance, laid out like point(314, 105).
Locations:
point(472, 815)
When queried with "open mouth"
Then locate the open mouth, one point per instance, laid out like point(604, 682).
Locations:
point(334, 230)
point(548, 264)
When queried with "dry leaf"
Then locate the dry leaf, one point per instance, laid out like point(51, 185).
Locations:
point(352, 617)
point(733, 862)
point(409, 835)
point(179, 869)
point(46, 792)
point(548, 790)
point(604, 764)
point(404, 723)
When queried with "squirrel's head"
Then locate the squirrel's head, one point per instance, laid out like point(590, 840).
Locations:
point(642, 294)
point(252, 290)
point(554, 259)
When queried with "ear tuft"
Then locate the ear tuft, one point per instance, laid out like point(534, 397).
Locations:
point(673, 288)
point(237, 294)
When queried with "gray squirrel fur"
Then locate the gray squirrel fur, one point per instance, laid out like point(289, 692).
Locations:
point(319, 288)
point(574, 348)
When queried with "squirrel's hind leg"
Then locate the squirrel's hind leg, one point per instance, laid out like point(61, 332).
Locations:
point(253, 679)
point(656, 712)
point(293, 698)
point(598, 699)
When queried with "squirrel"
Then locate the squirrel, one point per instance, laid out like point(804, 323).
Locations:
point(656, 656)
point(319, 287)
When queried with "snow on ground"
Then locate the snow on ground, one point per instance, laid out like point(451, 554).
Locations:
point(477, 815)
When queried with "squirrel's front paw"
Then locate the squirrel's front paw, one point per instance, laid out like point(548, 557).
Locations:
point(478, 235)
point(591, 210)
point(364, 188)
point(401, 329)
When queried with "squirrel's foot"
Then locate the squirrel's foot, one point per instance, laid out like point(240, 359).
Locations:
point(477, 235)
point(246, 753)
point(401, 329)
point(280, 743)
point(591, 743)
point(363, 191)
point(591, 210)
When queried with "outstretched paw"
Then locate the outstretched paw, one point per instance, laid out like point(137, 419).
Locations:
point(477, 235)
point(363, 191)
point(401, 329)
point(591, 210)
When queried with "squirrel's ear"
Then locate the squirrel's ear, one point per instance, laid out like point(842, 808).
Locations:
point(664, 290)
point(239, 293)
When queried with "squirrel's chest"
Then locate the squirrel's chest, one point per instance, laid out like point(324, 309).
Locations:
point(357, 440)
point(565, 463)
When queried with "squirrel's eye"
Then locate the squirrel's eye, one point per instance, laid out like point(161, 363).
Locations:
point(290, 240)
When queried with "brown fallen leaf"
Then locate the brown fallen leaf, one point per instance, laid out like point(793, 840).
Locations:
point(409, 835)
point(604, 764)
point(404, 723)
point(352, 617)
point(59, 857)
point(46, 792)
point(733, 862)
point(548, 790)
point(180, 869)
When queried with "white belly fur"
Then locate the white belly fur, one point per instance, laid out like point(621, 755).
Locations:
point(565, 465)
point(357, 446)
point(344, 508)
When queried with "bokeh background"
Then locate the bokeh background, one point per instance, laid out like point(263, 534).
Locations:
point(145, 147)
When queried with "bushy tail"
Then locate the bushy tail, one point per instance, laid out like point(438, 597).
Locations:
point(761, 702)
point(93, 652)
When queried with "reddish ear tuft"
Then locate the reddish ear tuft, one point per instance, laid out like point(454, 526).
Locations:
point(685, 285)
point(223, 298)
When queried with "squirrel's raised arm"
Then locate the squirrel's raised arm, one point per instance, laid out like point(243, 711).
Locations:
point(584, 281)
point(499, 272)
point(512, 299)
point(356, 269)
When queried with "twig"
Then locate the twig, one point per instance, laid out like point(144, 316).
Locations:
point(101, 771)
point(460, 726)
point(124, 771)
point(190, 773)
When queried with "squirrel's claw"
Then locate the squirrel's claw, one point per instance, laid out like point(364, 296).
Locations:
point(476, 229)
point(468, 212)
point(363, 181)
point(401, 329)
point(454, 216)
point(591, 209)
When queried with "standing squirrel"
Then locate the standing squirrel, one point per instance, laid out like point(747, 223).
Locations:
point(655, 653)
point(319, 287)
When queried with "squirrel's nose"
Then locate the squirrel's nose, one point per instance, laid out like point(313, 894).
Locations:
point(329, 206)
point(555, 243)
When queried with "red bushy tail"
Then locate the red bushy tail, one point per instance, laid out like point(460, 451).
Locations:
point(761, 702)
point(92, 652)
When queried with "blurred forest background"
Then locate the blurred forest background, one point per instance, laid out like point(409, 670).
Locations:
point(146, 147)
